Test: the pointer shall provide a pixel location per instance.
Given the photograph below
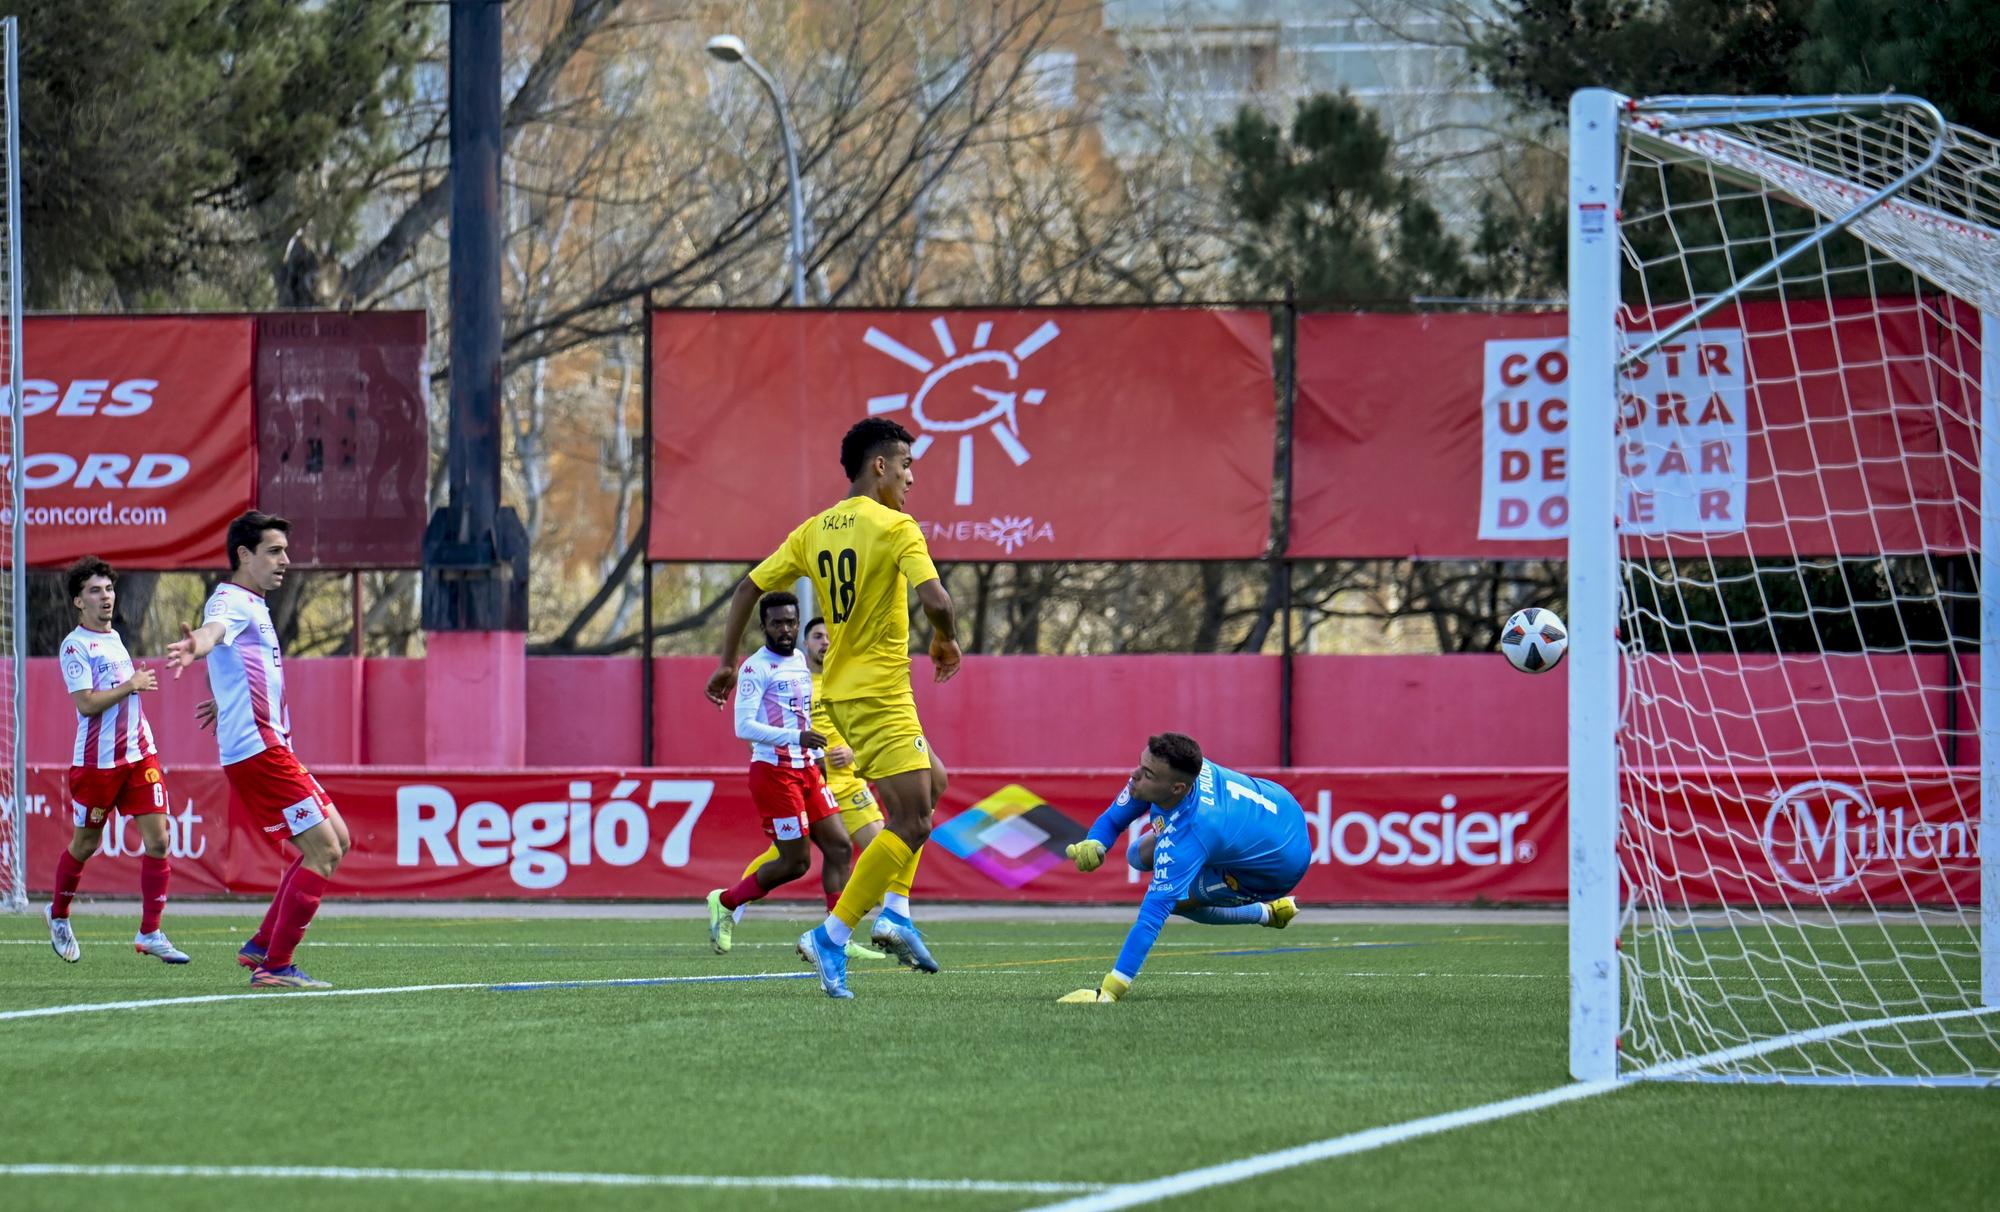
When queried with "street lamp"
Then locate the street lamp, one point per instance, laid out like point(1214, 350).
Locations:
point(730, 49)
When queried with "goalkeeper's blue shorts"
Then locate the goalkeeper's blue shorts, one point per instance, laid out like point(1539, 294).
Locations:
point(1248, 886)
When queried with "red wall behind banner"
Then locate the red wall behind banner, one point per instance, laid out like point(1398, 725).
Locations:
point(1801, 837)
point(1411, 712)
point(1393, 441)
point(1041, 435)
point(138, 428)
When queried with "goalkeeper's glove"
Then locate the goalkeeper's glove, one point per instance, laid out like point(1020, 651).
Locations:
point(1088, 855)
point(1113, 988)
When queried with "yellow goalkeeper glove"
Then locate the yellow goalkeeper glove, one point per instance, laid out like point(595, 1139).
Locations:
point(1088, 855)
point(1113, 988)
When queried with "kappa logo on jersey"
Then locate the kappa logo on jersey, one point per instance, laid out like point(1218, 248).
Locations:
point(979, 388)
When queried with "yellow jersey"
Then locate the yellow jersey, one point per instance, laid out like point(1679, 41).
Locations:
point(862, 557)
point(840, 780)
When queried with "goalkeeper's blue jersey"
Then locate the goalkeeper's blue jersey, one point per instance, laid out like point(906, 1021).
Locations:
point(1251, 830)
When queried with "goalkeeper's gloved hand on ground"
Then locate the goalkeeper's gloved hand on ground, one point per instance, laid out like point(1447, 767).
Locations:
point(1113, 988)
point(1088, 855)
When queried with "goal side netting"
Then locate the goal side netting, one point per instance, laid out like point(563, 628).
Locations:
point(1779, 590)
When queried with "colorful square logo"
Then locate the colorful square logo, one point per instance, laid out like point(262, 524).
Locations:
point(1011, 836)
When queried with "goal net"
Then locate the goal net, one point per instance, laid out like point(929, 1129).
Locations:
point(1779, 591)
point(13, 542)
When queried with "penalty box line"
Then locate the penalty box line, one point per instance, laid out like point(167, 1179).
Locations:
point(564, 1178)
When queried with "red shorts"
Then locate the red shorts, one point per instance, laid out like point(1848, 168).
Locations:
point(135, 790)
point(279, 792)
point(789, 799)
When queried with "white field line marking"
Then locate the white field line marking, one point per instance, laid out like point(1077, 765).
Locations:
point(811, 1182)
point(290, 995)
point(531, 986)
point(1132, 1195)
point(97, 935)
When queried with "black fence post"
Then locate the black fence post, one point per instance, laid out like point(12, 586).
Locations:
point(1286, 409)
point(646, 546)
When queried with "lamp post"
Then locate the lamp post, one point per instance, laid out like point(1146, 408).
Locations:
point(730, 49)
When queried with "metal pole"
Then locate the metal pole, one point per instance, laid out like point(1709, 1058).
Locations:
point(786, 137)
point(646, 549)
point(1989, 658)
point(17, 540)
point(1287, 427)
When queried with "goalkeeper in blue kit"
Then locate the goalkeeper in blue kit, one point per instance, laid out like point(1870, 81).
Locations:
point(1225, 850)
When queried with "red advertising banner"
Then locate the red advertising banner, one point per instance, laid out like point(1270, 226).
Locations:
point(1789, 428)
point(1803, 838)
point(1041, 435)
point(198, 841)
point(139, 435)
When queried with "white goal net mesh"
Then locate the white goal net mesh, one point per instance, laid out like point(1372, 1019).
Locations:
point(1799, 520)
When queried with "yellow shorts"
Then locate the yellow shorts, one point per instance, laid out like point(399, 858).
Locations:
point(885, 734)
point(857, 802)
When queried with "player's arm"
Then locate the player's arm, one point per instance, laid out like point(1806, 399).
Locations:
point(97, 702)
point(92, 702)
point(913, 560)
point(1176, 864)
point(837, 753)
point(196, 643)
point(781, 567)
point(741, 603)
point(749, 697)
point(1088, 854)
point(936, 603)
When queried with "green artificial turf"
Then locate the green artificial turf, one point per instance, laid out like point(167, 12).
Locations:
point(1235, 1042)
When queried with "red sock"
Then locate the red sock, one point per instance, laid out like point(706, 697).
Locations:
point(746, 890)
point(263, 936)
point(69, 871)
point(832, 899)
point(153, 873)
point(301, 901)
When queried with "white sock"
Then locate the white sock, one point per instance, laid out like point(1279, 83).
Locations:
point(896, 902)
point(838, 930)
point(1265, 920)
point(736, 914)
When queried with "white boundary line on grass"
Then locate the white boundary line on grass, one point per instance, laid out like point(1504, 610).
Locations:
point(1131, 1195)
point(809, 1182)
point(287, 995)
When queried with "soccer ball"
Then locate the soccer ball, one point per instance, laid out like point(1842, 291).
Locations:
point(1534, 640)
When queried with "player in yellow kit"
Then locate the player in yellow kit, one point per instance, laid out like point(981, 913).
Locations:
point(863, 555)
point(859, 812)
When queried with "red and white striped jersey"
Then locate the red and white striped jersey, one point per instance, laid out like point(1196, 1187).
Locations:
point(118, 735)
point(774, 701)
point(246, 674)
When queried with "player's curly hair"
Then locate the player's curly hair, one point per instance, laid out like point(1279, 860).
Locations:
point(771, 601)
point(1178, 751)
point(83, 570)
point(866, 439)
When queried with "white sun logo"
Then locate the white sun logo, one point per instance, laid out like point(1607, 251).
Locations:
point(942, 410)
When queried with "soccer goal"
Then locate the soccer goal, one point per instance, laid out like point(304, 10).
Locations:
point(1781, 736)
point(13, 544)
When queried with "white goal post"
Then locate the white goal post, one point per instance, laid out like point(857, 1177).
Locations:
point(1784, 784)
point(13, 542)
